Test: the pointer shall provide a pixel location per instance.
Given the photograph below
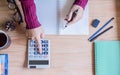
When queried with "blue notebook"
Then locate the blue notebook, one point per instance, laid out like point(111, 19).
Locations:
point(107, 57)
point(3, 64)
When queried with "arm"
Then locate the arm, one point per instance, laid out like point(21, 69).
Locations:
point(34, 28)
point(77, 5)
point(29, 10)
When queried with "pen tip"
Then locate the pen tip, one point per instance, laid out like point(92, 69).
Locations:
point(113, 18)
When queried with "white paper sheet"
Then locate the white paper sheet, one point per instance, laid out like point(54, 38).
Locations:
point(51, 14)
point(47, 15)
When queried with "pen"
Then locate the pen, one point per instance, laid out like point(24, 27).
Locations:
point(73, 16)
point(101, 28)
point(92, 39)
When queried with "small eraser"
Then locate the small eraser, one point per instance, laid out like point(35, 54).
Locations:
point(95, 23)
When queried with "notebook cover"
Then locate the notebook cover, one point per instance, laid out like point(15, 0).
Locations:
point(107, 57)
point(3, 64)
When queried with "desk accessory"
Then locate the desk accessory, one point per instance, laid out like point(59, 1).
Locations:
point(99, 30)
point(38, 59)
point(107, 57)
point(3, 64)
point(5, 40)
point(95, 23)
point(101, 33)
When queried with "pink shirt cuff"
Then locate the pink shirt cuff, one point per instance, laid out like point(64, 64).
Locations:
point(81, 3)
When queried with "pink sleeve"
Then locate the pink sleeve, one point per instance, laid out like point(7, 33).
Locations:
point(81, 3)
point(29, 10)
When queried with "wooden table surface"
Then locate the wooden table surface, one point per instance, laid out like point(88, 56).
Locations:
point(70, 55)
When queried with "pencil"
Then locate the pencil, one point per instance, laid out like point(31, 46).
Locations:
point(92, 39)
point(101, 28)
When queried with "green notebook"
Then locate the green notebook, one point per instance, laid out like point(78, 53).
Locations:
point(107, 57)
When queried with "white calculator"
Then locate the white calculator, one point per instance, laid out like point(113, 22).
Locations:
point(38, 59)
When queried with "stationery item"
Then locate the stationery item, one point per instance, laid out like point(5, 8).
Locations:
point(51, 14)
point(97, 32)
point(107, 57)
point(101, 33)
point(4, 40)
point(73, 16)
point(95, 23)
point(38, 59)
point(3, 64)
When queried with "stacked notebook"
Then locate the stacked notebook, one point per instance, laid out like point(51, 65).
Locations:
point(107, 58)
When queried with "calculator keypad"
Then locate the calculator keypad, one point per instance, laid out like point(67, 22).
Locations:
point(35, 54)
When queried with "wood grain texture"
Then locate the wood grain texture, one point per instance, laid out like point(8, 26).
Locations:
point(70, 55)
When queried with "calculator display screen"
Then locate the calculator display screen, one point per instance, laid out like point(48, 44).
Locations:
point(38, 62)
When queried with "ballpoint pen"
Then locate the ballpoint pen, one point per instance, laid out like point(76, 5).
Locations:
point(93, 38)
point(73, 16)
point(106, 24)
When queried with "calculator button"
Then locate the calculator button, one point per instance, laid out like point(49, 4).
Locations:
point(30, 53)
point(45, 53)
point(35, 53)
point(45, 56)
point(35, 49)
point(40, 56)
point(35, 56)
point(30, 56)
point(46, 41)
point(45, 49)
point(42, 53)
point(38, 52)
point(34, 41)
point(30, 49)
point(31, 44)
point(43, 45)
point(35, 45)
point(46, 45)
point(31, 41)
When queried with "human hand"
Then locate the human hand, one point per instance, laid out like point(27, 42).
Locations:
point(77, 17)
point(36, 34)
